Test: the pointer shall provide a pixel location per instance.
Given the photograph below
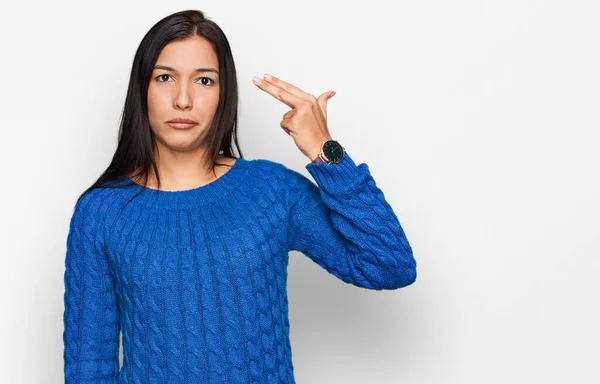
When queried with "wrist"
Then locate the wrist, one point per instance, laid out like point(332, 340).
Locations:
point(317, 156)
point(317, 159)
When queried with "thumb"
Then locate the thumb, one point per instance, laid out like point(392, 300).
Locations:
point(322, 100)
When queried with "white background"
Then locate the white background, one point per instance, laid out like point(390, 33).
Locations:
point(478, 119)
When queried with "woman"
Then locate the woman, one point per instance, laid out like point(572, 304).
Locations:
point(184, 247)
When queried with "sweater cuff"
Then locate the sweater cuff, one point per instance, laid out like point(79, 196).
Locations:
point(340, 177)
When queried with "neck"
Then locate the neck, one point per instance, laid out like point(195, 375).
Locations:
point(185, 170)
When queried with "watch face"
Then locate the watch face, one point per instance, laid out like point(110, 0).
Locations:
point(333, 151)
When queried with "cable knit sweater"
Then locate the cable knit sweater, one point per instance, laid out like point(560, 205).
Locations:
point(196, 279)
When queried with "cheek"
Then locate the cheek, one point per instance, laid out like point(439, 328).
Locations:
point(212, 99)
point(158, 105)
point(154, 100)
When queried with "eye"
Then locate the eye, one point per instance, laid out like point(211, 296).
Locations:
point(161, 79)
point(211, 81)
point(157, 78)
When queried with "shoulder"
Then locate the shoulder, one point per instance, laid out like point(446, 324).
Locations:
point(92, 206)
point(282, 182)
point(277, 173)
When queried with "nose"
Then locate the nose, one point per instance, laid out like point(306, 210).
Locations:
point(183, 98)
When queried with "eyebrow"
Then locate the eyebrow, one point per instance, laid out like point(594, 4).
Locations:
point(198, 70)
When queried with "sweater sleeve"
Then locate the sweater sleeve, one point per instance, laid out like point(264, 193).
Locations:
point(91, 326)
point(346, 226)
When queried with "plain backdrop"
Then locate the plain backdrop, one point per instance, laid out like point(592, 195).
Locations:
point(478, 120)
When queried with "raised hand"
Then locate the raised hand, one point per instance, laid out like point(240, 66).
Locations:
point(306, 122)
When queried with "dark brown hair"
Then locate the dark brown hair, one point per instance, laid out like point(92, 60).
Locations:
point(135, 153)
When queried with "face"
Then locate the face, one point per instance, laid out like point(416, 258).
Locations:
point(184, 85)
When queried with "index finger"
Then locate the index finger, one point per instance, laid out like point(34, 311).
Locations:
point(279, 93)
point(288, 87)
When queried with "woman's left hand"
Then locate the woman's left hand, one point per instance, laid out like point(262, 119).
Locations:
point(306, 122)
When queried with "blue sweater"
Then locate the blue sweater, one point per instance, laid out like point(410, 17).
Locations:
point(196, 279)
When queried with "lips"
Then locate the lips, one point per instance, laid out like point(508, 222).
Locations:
point(182, 123)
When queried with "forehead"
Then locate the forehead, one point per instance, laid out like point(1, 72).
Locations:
point(189, 54)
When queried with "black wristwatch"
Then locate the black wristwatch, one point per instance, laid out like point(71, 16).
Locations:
point(331, 152)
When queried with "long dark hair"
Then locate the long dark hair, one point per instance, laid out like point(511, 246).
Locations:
point(135, 153)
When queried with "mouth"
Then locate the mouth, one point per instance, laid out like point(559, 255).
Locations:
point(182, 123)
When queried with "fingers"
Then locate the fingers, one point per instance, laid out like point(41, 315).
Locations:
point(296, 99)
point(283, 125)
point(280, 94)
point(288, 87)
point(286, 121)
point(322, 100)
point(289, 114)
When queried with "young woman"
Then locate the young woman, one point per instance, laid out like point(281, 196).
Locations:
point(184, 247)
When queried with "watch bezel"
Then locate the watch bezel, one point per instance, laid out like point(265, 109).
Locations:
point(328, 150)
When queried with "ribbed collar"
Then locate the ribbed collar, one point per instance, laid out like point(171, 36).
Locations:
point(213, 191)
